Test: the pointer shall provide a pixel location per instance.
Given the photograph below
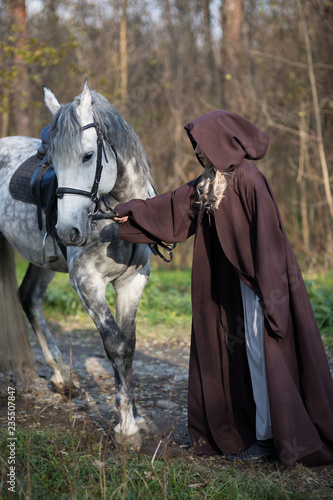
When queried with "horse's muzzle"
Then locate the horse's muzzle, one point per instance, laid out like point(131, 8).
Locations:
point(72, 237)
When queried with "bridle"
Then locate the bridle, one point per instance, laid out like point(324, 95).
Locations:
point(93, 193)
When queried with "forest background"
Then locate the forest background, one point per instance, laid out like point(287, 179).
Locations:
point(163, 63)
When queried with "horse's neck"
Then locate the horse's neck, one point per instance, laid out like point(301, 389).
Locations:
point(131, 183)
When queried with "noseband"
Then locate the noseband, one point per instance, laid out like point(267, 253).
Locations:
point(93, 194)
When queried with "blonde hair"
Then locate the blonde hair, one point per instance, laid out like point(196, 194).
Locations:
point(210, 189)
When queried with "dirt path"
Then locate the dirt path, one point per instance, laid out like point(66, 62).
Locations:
point(160, 377)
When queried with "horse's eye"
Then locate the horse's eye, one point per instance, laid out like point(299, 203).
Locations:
point(87, 157)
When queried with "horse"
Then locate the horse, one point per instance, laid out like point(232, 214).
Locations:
point(99, 161)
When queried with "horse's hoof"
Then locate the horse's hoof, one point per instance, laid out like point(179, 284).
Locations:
point(68, 389)
point(147, 426)
point(133, 441)
point(142, 424)
point(139, 419)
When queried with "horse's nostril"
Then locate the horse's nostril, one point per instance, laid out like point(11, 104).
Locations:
point(70, 236)
point(74, 236)
point(75, 232)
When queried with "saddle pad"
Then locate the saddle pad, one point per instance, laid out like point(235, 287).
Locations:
point(19, 186)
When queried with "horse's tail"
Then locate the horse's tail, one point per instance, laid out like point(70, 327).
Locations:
point(15, 350)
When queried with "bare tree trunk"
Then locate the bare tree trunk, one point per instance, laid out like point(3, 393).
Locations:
point(231, 20)
point(208, 47)
point(5, 101)
point(303, 160)
point(21, 87)
point(123, 55)
point(5, 115)
point(321, 149)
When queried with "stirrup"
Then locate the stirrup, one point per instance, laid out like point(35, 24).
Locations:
point(51, 258)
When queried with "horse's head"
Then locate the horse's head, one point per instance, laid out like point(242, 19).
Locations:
point(85, 166)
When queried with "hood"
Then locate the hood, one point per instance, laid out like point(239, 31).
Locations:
point(226, 138)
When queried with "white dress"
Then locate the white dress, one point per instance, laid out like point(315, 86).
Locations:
point(254, 338)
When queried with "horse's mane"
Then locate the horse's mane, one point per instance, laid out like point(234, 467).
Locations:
point(65, 131)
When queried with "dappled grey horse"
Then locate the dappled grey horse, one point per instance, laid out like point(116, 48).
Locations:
point(99, 162)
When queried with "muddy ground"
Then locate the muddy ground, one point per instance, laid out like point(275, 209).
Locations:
point(160, 376)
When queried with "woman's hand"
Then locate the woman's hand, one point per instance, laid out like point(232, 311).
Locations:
point(120, 220)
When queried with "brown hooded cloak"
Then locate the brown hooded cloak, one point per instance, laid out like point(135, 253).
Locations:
point(244, 240)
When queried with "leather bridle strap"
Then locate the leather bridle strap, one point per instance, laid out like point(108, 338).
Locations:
point(99, 168)
point(63, 190)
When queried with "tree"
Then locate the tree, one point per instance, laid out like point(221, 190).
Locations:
point(232, 56)
point(317, 116)
point(23, 62)
point(123, 54)
point(163, 63)
point(20, 83)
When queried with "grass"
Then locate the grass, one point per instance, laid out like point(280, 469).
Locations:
point(166, 302)
point(320, 288)
point(55, 463)
point(47, 470)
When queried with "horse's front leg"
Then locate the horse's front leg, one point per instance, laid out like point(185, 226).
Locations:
point(128, 296)
point(119, 349)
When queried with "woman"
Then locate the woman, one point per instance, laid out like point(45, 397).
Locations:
point(259, 380)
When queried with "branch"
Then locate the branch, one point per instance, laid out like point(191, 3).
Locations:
point(321, 149)
point(278, 58)
point(266, 55)
point(279, 126)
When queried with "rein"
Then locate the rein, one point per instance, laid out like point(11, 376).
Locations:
point(168, 247)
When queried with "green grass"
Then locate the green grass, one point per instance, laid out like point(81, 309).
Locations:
point(48, 469)
point(60, 464)
point(167, 298)
point(166, 301)
point(320, 290)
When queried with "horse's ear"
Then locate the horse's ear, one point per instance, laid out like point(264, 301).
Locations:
point(50, 100)
point(84, 109)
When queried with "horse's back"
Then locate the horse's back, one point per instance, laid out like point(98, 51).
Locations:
point(16, 149)
point(18, 220)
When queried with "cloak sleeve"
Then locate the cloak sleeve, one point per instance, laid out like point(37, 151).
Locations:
point(169, 217)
